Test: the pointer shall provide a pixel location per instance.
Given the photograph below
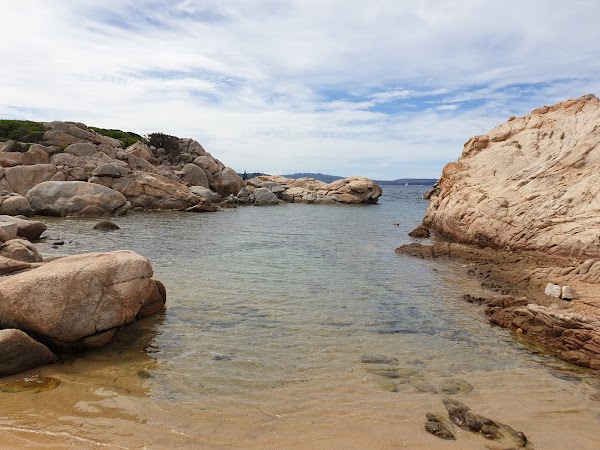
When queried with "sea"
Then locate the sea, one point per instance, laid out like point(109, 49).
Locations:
point(296, 326)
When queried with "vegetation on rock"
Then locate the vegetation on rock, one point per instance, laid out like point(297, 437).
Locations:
point(166, 141)
point(126, 137)
point(21, 131)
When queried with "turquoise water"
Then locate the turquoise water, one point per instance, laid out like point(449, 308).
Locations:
point(272, 308)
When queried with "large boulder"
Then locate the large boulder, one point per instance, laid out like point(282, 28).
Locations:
point(62, 198)
point(140, 150)
point(352, 190)
point(206, 193)
point(81, 149)
point(531, 183)
point(79, 301)
point(20, 352)
point(21, 179)
point(193, 175)
point(13, 204)
point(28, 229)
point(151, 191)
point(263, 197)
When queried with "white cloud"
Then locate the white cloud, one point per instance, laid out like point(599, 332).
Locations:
point(386, 89)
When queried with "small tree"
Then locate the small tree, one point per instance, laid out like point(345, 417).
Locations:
point(166, 141)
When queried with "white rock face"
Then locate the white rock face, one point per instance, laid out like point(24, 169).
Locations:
point(532, 183)
point(553, 290)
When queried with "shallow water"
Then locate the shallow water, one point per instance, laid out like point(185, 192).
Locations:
point(269, 312)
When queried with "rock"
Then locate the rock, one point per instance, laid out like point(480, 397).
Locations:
point(231, 182)
point(81, 149)
point(435, 426)
point(140, 150)
point(12, 204)
point(8, 266)
point(263, 196)
point(155, 302)
point(528, 184)
point(461, 415)
point(151, 191)
point(113, 169)
point(206, 193)
point(434, 191)
point(28, 229)
point(11, 159)
point(353, 190)
point(19, 352)
point(21, 179)
point(456, 386)
point(420, 232)
point(106, 225)
point(20, 250)
point(567, 293)
point(194, 176)
point(62, 198)
point(8, 230)
point(377, 359)
point(34, 384)
point(553, 290)
point(85, 297)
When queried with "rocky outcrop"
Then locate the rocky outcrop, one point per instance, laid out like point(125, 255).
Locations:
point(19, 352)
point(80, 301)
point(353, 190)
point(152, 191)
point(532, 183)
point(63, 198)
point(148, 177)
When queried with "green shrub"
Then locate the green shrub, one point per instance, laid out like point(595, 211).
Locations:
point(126, 137)
point(166, 141)
point(21, 130)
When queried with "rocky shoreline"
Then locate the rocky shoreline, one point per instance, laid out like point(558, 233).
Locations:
point(521, 207)
point(72, 170)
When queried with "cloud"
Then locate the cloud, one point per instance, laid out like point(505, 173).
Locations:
point(387, 89)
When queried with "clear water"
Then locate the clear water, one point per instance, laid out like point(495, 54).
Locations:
point(269, 312)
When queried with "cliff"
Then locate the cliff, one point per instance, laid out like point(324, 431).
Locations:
point(532, 183)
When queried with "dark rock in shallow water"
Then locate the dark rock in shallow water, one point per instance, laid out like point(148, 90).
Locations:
point(461, 415)
point(436, 427)
point(377, 359)
point(456, 386)
point(34, 383)
point(106, 225)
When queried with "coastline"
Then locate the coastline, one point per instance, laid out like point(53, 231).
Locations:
point(568, 328)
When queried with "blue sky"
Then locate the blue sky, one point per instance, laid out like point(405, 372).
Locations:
point(384, 89)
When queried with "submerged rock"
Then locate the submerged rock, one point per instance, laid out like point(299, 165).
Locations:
point(435, 426)
point(461, 415)
point(377, 359)
point(30, 384)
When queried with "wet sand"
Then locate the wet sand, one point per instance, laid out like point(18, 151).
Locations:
point(108, 400)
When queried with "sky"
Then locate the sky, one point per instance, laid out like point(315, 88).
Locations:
point(384, 89)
